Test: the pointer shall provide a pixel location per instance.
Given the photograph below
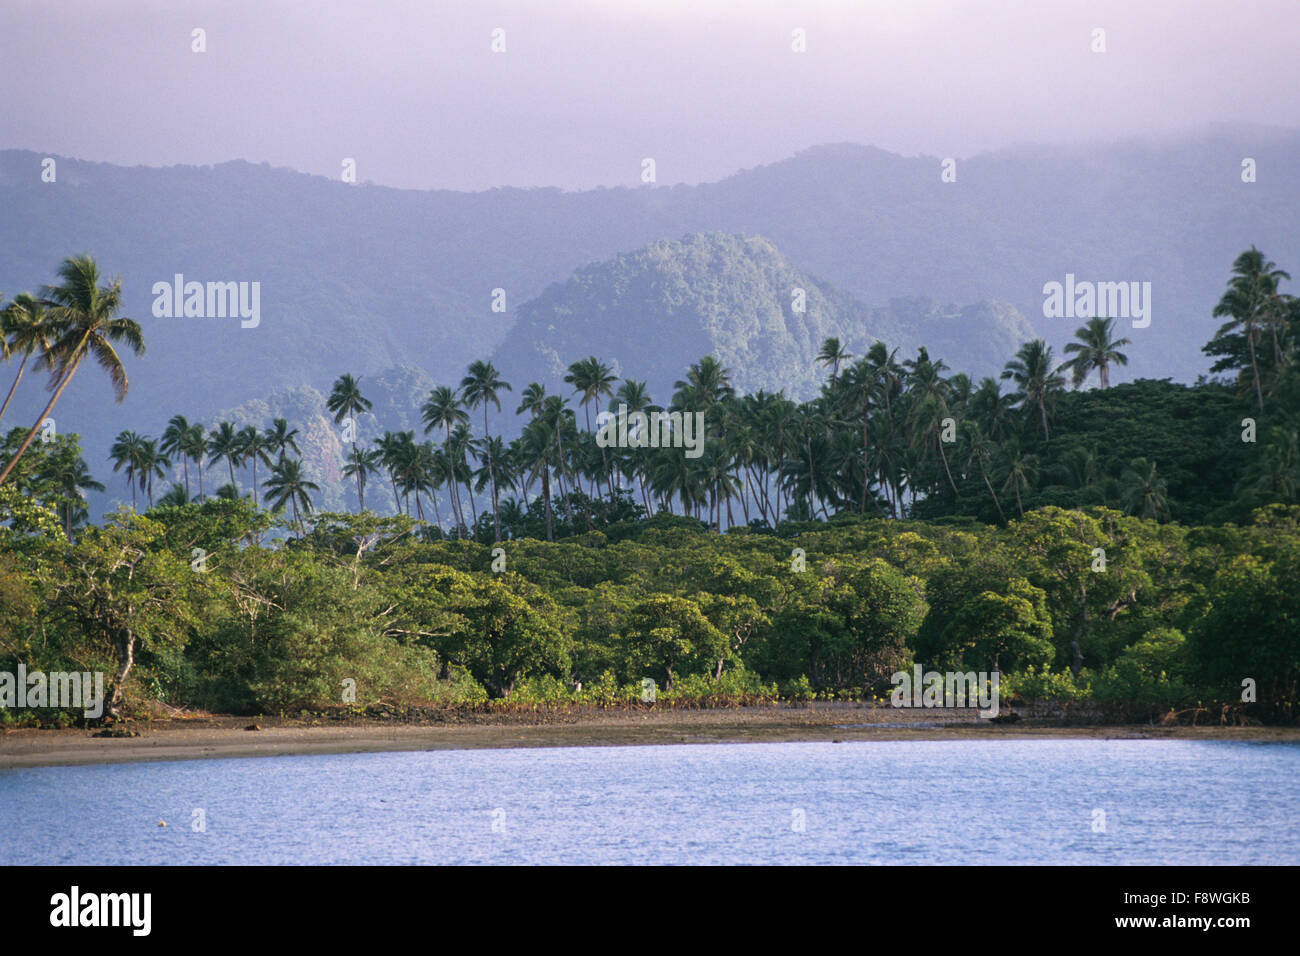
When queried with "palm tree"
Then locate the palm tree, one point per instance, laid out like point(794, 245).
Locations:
point(174, 442)
point(537, 451)
point(288, 484)
point(1276, 470)
point(253, 447)
point(152, 462)
point(494, 470)
point(833, 353)
point(1037, 382)
point(592, 378)
point(224, 442)
point(980, 450)
point(72, 479)
point(1143, 490)
point(84, 316)
point(1095, 349)
point(1251, 300)
point(442, 409)
point(361, 464)
point(126, 454)
point(176, 497)
point(346, 401)
point(635, 397)
point(482, 385)
point(26, 327)
point(993, 409)
point(195, 446)
point(280, 438)
point(706, 383)
point(531, 400)
point(389, 446)
point(1021, 470)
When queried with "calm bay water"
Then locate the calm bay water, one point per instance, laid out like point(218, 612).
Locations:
point(914, 802)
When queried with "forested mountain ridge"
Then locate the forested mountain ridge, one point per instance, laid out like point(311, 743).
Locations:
point(737, 298)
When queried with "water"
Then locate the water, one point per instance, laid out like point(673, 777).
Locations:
point(912, 802)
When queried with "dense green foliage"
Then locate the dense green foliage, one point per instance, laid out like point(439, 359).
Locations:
point(1178, 617)
point(904, 515)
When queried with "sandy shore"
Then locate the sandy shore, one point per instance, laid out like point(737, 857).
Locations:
point(211, 737)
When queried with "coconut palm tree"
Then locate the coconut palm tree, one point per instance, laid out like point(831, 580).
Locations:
point(253, 447)
point(1095, 349)
point(174, 443)
point(482, 385)
point(176, 497)
point(1251, 303)
point(287, 484)
point(832, 354)
point(1143, 490)
point(195, 446)
point(494, 471)
point(980, 450)
point(125, 454)
point(1021, 471)
point(442, 409)
point(152, 463)
point(84, 316)
point(346, 401)
point(537, 453)
point(1038, 384)
point(72, 479)
point(361, 464)
point(1276, 470)
point(27, 328)
point(706, 383)
point(280, 438)
point(389, 446)
point(224, 442)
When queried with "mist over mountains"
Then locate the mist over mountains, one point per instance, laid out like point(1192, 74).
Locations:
point(366, 278)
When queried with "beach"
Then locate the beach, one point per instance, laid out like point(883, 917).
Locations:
point(210, 737)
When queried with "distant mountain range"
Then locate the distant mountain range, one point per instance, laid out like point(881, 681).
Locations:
point(366, 278)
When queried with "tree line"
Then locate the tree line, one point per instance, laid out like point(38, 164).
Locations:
point(885, 436)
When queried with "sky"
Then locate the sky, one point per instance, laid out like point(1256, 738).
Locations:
point(587, 89)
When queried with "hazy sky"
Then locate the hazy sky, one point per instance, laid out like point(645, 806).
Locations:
point(587, 88)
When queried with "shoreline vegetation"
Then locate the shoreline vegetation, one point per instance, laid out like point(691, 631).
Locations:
point(215, 736)
point(1125, 551)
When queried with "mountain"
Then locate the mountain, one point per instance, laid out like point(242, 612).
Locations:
point(362, 278)
point(651, 312)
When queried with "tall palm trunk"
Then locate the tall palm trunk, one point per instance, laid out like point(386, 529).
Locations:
point(1254, 370)
point(944, 456)
point(546, 494)
point(67, 377)
point(14, 387)
point(989, 486)
point(361, 491)
point(492, 476)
